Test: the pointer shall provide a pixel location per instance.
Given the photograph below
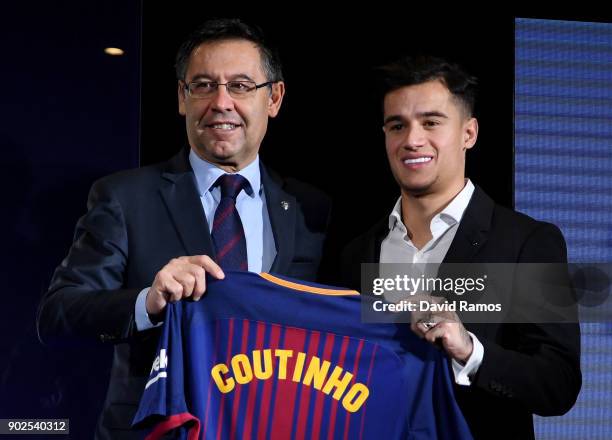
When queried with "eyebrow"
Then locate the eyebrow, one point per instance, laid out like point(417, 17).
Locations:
point(238, 77)
point(430, 114)
point(393, 118)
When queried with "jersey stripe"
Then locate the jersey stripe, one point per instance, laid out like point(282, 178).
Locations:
point(266, 397)
point(252, 394)
point(368, 384)
point(347, 420)
point(307, 289)
point(303, 413)
point(230, 337)
point(334, 409)
point(287, 388)
point(238, 392)
point(318, 411)
point(210, 381)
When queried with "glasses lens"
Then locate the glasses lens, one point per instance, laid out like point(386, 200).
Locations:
point(202, 88)
point(239, 88)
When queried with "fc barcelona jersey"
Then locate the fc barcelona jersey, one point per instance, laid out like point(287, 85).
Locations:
point(261, 356)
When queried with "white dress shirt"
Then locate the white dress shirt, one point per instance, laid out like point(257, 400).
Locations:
point(397, 247)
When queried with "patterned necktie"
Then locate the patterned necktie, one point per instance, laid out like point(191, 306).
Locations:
point(227, 231)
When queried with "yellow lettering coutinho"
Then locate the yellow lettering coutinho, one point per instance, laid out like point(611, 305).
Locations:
point(282, 356)
point(310, 372)
point(266, 372)
point(241, 366)
point(355, 397)
point(299, 367)
point(317, 372)
point(340, 385)
point(216, 372)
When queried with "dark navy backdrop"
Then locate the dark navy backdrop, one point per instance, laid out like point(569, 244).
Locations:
point(69, 114)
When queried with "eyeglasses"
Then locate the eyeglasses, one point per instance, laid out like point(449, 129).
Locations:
point(236, 89)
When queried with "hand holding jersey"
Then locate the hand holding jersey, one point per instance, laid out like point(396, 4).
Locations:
point(183, 277)
point(445, 329)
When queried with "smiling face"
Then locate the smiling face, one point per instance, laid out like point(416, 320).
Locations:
point(221, 129)
point(427, 133)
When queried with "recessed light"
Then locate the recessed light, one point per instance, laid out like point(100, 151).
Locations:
point(115, 51)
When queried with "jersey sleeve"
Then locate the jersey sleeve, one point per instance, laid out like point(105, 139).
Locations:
point(163, 406)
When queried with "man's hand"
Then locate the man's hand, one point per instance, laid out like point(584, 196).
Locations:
point(182, 277)
point(444, 329)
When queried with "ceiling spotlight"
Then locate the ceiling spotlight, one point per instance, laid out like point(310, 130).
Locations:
point(115, 51)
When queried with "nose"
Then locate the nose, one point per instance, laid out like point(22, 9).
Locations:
point(222, 100)
point(414, 137)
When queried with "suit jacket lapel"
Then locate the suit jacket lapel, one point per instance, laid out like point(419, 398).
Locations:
point(180, 194)
point(282, 210)
point(471, 235)
point(374, 244)
point(473, 229)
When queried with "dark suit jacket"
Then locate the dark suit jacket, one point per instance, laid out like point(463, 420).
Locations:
point(137, 221)
point(527, 369)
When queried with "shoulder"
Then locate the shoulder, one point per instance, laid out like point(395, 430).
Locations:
point(302, 191)
point(482, 212)
point(307, 195)
point(140, 186)
point(526, 238)
point(377, 231)
point(365, 247)
point(127, 180)
point(521, 224)
point(311, 201)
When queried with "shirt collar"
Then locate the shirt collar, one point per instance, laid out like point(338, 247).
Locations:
point(207, 174)
point(455, 209)
point(451, 214)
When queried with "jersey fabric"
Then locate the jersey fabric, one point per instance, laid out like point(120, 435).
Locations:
point(261, 356)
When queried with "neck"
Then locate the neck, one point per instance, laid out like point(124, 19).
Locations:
point(229, 166)
point(419, 209)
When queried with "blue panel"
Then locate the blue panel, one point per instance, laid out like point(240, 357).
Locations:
point(563, 174)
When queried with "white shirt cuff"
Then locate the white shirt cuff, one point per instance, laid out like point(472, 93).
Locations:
point(140, 313)
point(464, 373)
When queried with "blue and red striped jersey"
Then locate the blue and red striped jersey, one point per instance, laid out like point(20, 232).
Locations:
point(260, 356)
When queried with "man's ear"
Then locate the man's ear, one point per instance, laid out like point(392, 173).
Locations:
point(181, 97)
point(276, 98)
point(470, 133)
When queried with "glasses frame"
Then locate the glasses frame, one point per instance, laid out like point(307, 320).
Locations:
point(249, 92)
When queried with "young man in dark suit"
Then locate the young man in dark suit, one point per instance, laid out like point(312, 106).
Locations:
point(151, 235)
point(504, 373)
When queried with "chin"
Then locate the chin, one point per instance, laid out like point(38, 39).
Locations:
point(223, 151)
point(417, 188)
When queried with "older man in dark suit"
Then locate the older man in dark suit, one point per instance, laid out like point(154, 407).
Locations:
point(151, 235)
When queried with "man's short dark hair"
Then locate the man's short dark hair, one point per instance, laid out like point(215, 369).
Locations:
point(229, 29)
point(409, 71)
